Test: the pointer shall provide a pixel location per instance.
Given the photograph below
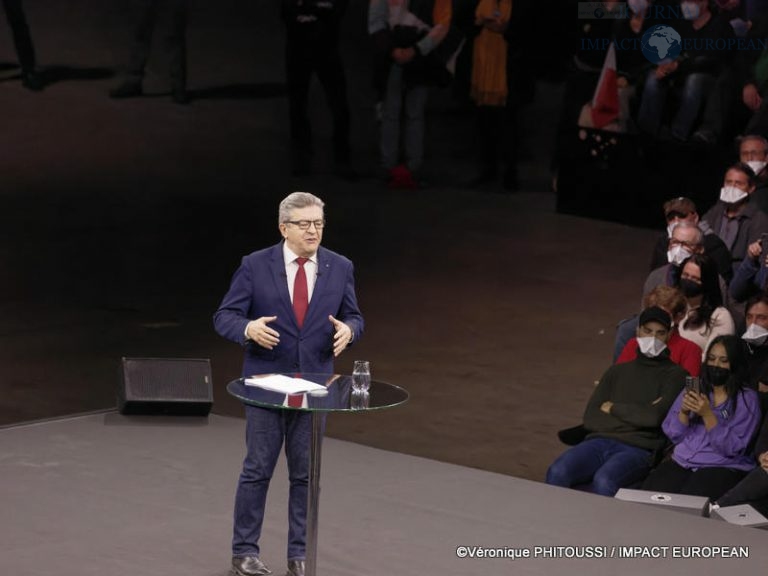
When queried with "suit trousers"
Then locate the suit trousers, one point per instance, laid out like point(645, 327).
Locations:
point(25, 51)
point(266, 431)
point(175, 40)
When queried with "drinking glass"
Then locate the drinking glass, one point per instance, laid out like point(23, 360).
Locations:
point(361, 375)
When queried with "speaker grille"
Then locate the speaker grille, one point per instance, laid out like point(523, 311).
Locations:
point(167, 379)
point(165, 386)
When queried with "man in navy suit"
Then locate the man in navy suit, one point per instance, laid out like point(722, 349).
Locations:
point(294, 309)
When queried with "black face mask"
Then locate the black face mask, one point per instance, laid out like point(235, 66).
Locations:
point(690, 288)
point(716, 376)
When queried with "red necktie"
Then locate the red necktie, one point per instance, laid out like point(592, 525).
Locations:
point(295, 400)
point(300, 292)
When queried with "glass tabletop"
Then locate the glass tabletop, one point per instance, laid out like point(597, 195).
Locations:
point(337, 394)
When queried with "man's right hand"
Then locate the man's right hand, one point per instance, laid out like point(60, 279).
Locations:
point(258, 331)
point(755, 249)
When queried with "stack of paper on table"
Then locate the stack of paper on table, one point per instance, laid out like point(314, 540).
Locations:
point(283, 384)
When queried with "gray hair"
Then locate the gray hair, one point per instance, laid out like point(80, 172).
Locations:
point(755, 137)
point(684, 224)
point(294, 201)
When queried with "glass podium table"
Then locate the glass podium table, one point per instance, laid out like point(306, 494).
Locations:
point(338, 395)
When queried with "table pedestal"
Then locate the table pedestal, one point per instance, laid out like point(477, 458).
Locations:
point(313, 497)
point(339, 397)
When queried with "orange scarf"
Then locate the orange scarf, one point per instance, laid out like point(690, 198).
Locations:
point(489, 58)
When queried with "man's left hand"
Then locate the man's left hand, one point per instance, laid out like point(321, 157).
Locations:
point(343, 335)
point(606, 406)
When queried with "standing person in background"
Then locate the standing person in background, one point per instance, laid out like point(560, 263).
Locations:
point(176, 39)
point(405, 32)
point(312, 47)
point(492, 94)
point(293, 308)
point(25, 50)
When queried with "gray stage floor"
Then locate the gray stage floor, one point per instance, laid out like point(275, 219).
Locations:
point(122, 222)
point(108, 494)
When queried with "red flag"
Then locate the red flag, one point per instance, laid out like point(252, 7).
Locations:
point(605, 102)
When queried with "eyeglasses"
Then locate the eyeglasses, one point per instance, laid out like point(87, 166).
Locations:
point(305, 224)
point(690, 245)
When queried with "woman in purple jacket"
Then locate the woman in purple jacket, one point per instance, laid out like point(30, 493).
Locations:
point(711, 428)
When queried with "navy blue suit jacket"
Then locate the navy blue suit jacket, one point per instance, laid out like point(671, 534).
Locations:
point(260, 288)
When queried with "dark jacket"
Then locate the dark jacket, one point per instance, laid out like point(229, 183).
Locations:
point(642, 392)
point(752, 223)
point(259, 288)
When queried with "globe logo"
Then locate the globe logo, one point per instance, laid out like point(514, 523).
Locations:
point(661, 43)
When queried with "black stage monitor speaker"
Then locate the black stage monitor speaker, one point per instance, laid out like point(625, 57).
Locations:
point(165, 386)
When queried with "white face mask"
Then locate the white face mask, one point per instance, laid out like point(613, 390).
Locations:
point(650, 346)
point(677, 254)
point(671, 227)
point(731, 194)
point(637, 6)
point(690, 10)
point(755, 334)
point(756, 165)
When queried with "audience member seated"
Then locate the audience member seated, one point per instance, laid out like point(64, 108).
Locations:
point(684, 210)
point(753, 489)
point(686, 239)
point(706, 317)
point(711, 428)
point(753, 151)
point(694, 74)
point(735, 218)
point(756, 337)
point(624, 415)
point(752, 274)
point(681, 351)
